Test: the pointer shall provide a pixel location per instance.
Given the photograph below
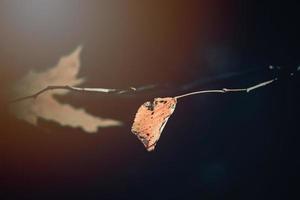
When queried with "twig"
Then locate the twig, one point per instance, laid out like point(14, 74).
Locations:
point(147, 87)
point(133, 89)
point(78, 89)
point(225, 90)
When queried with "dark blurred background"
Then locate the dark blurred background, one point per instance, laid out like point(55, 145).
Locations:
point(235, 146)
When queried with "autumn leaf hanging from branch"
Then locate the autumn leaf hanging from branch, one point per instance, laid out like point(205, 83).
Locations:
point(149, 121)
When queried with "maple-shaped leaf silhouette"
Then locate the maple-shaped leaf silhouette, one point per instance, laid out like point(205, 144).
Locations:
point(46, 106)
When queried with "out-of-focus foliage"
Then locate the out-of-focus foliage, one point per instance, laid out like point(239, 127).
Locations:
point(46, 106)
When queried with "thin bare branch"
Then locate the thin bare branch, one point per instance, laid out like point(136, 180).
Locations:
point(226, 90)
point(78, 89)
point(133, 89)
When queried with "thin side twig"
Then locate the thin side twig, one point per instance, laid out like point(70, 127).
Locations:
point(78, 89)
point(226, 90)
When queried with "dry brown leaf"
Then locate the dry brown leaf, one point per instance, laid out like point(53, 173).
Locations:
point(151, 119)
